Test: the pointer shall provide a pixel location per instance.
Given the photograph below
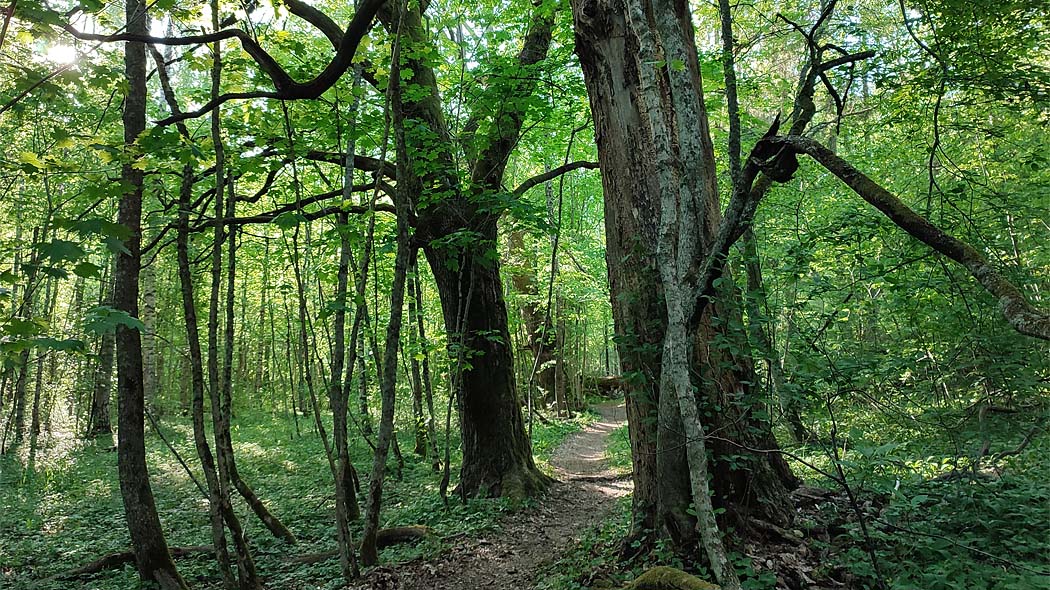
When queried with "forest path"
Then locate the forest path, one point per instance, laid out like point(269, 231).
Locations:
point(509, 557)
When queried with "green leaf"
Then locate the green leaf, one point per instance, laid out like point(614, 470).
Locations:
point(59, 251)
point(116, 245)
point(104, 319)
point(87, 270)
point(289, 220)
point(66, 345)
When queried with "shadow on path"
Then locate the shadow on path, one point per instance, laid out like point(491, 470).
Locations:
point(509, 557)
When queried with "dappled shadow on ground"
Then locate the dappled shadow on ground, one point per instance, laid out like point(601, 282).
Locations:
point(510, 556)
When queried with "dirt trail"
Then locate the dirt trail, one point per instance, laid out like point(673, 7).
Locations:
point(509, 557)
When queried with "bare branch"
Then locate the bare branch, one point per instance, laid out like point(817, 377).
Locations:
point(846, 59)
point(286, 88)
point(552, 174)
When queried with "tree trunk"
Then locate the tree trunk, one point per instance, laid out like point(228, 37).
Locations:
point(365, 415)
point(759, 327)
point(608, 52)
point(98, 418)
point(413, 351)
point(407, 186)
point(523, 278)
point(218, 502)
point(26, 309)
point(152, 559)
point(50, 295)
point(497, 456)
point(150, 355)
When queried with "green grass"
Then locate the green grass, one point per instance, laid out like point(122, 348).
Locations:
point(618, 454)
point(63, 509)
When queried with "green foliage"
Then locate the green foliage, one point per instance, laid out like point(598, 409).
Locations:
point(63, 510)
point(962, 534)
point(103, 318)
point(619, 452)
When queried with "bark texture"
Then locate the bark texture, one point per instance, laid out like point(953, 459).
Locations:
point(152, 559)
point(608, 49)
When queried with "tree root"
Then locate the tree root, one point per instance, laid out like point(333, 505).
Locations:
point(118, 560)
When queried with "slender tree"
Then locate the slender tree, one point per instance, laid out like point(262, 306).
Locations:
point(152, 558)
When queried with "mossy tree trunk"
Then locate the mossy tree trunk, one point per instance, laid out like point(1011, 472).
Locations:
point(608, 51)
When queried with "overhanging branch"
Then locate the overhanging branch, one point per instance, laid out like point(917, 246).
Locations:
point(1019, 312)
point(552, 174)
point(286, 88)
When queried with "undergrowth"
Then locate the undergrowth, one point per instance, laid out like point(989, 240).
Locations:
point(987, 530)
point(61, 508)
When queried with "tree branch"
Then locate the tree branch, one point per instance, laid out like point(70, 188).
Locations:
point(552, 174)
point(1019, 312)
point(365, 163)
point(269, 216)
point(286, 88)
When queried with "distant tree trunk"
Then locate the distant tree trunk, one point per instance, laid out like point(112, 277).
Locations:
point(75, 395)
point(428, 383)
point(365, 415)
point(262, 364)
point(561, 371)
point(539, 341)
point(98, 418)
point(414, 348)
point(150, 354)
point(152, 559)
point(185, 383)
point(758, 325)
point(25, 310)
point(50, 295)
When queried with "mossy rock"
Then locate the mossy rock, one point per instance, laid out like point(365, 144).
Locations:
point(662, 577)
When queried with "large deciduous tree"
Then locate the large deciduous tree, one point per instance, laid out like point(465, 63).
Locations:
point(665, 227)
point(456, 228)
point(745, 483)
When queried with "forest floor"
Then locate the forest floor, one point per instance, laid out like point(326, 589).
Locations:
point(510, 556)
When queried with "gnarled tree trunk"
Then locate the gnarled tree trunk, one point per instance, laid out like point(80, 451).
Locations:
point(497, 456)
point(608, 51)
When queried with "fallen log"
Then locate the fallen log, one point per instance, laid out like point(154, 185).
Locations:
point(605, 385)
point(385, 538)
point(120, 559)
